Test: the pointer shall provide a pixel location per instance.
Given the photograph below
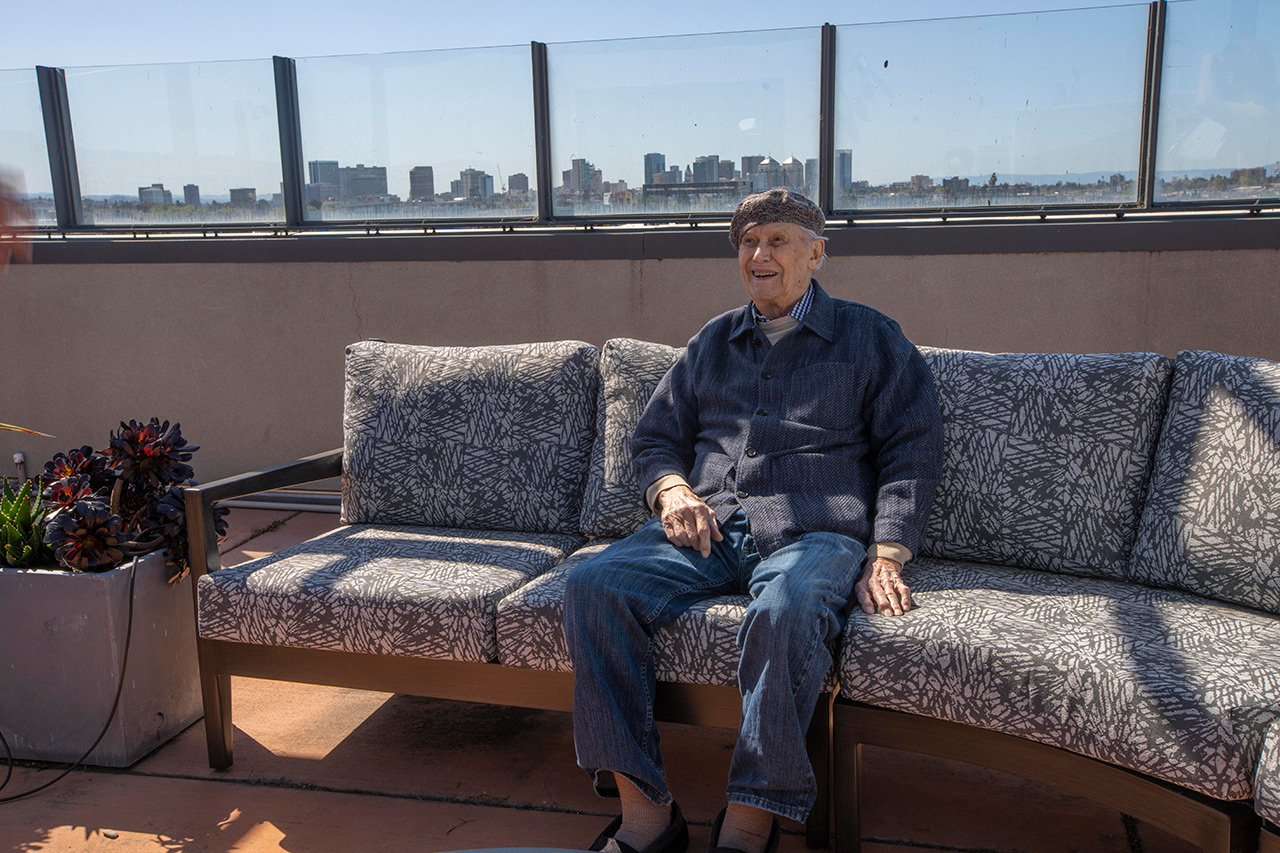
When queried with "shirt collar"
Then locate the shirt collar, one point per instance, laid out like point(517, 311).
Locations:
point(798, 310)
point(818, 313)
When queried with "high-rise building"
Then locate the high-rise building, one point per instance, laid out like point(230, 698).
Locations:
point(811, 178)
point(793, 174)
point(155, 194)
point(474, 183)
point(726, 170)
point(921, 182)
point(751, 165)
point(582, 179)
point(706, 169)
point(323, 171)
point(191, 195)
point(422, 183)
point(844, 170)
point(518, 183)
point(654, 164)
point(244, 196)
point(361, 181)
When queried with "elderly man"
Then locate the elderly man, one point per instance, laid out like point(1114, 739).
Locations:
point(794, 446)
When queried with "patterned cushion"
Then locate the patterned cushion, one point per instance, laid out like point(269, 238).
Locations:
point(1046, 457)
point(699, 647)
point(1212, 521)
point(1163, 682)
point(409, 591)
point(629, 371)
point(488, 438)
point(1266, 780)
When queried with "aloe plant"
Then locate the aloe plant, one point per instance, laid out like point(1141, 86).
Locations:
point(22, 522)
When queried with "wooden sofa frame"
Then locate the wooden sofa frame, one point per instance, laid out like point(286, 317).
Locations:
point(490, 683)
point(1216, 826)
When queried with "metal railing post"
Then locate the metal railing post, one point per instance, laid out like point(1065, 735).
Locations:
point(62, 146)
point(542, 130)
point(294, 181)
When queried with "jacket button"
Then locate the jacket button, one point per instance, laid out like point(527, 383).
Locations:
point(742, 493)
point(762, 412)
point(751, 451)
point(766, 375)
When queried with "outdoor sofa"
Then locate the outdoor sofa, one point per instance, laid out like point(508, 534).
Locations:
point(1097, 598)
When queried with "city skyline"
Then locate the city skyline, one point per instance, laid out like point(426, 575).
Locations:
point(1011, 105)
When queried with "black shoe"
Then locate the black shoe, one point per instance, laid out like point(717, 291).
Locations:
point(713, 846)
point(673, 839)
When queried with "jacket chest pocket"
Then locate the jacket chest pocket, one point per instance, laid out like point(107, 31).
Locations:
point(825, 395)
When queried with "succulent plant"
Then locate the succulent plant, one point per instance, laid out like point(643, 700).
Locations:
point(150, 455)
point(125, 500)
point(22, 521)
point(165, 526)
point(87, 537)
point(83, 461)
point(64, 493)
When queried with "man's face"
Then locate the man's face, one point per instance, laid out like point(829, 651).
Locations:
point(776, 259)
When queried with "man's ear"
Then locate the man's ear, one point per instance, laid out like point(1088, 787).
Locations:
point(816, 249)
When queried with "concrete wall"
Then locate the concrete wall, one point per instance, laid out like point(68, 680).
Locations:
point(249, 356)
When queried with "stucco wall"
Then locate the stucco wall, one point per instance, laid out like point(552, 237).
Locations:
point(248, 356)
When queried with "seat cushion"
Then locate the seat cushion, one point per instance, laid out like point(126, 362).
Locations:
point(484, 438)
point(699, 647)
point(1212, 522)
point(409, 591)
point(629, 371)
point(1047, 457)
point(1266, 779)
point(1159, 681)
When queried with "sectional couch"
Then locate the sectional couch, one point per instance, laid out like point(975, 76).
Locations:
point(1098, 596)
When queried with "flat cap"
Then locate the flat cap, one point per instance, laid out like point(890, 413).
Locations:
point(776, 205)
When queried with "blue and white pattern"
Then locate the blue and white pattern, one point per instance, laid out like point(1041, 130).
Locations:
point(1046, 457)
point(1163, 682)
point(1212, 521)
point(379, 589)
point(629, 371)
point(486, 438)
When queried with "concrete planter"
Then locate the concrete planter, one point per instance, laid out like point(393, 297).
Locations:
point(61, 649)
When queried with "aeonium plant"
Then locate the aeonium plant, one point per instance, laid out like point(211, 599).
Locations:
point(105, 506)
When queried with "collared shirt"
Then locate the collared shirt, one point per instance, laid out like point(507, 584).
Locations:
point(834, 428)
point(797, 311)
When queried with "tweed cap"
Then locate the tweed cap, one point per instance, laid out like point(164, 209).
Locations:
point(776, 205)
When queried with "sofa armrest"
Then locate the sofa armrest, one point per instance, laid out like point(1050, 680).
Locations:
point(203, 540)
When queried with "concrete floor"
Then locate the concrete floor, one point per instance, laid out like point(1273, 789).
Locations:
point(325, 769)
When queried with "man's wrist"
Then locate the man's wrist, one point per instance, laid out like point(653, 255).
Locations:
point(894, 551)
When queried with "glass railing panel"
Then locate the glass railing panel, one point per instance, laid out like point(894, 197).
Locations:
point(995, 111)
point(444, 134)
point(190, 143)
point(686, 124)
point(24, 158)
point(1219, 126)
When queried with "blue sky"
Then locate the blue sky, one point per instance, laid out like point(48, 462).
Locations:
point(141, 31)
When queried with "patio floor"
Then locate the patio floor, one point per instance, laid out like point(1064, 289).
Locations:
point(326, 769)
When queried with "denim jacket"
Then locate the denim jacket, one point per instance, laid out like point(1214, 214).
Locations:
point(834, 428)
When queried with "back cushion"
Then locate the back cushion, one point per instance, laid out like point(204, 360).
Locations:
point(492, 438)
point(1212, 521)
point(1047, 457)
point(629, 372)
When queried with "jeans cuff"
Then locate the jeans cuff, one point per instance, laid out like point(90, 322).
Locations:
point(787, 807)
point(610, 789)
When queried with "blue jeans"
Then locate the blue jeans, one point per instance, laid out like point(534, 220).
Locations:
point(618, 600)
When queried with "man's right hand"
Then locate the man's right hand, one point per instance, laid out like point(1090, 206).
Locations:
point(687, 520)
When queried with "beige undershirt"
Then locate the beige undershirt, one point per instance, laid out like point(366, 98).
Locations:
point(773, 330)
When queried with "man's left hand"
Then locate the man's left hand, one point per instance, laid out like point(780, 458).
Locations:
point(881, 588)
